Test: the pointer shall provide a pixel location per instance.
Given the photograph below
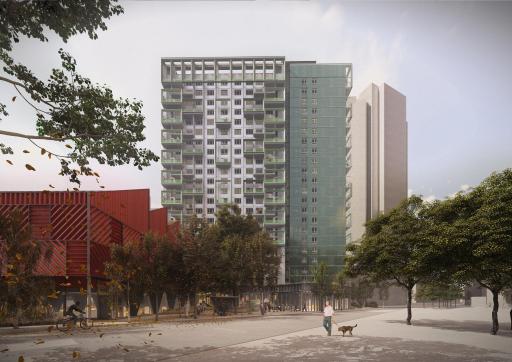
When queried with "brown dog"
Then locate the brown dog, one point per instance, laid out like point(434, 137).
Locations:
point(344, 329)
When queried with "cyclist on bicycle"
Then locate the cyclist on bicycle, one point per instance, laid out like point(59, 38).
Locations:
point(71, 311)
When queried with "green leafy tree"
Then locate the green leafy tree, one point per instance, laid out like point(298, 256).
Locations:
point(479, 227)
point(264, 261)
point(69, 108)
point(322, 281)
point(22, 292)
point(396, 246)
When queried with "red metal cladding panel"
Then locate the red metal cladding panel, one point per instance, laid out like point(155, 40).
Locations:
point(158, 221)
point(101, 227)
point(117, 232)
point(7, 209)
point(76, 257)
point(40, 221)
point(53, 260)
point(69, 222)
point(131, 207)
point(43, 198)
point(100, 254)
point(130, 235)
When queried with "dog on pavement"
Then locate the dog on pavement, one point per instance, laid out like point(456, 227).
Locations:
point(345, 329)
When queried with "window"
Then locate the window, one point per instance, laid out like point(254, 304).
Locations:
point(210, 181)
point(211, 220)
point(211, 142)
point(238, 151)
point(210, 122)
point(210, 112)
point(210, 201)
point(210, 191)
point(238, 171)
point(238, 122)
point(238, 132)
point(238, 111)
point(210, 210)
point(224, 92)
point(211, 171)
point(199, 171)
point(199, 211)
point(210, 92)
point(313, 220)
point(210, 132)
point(198, 92)
point(238, 161)
point(313, 239)
point(313, 150)
point(304, 140)
point(238, 102)
point(249, 92)
point(238, 200)
point(313, 230)
point(238, 142)
point(210, 152)
point(249, 200)
point(238, 92)
point(313, 110)
point(313, 81)
point(238, 190)
point(210, 161)
point(238, 181)
point(249, 131)
point(210, 102)
point(223, 112)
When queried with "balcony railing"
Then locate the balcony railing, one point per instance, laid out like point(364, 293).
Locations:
point(254, 150)
point(223, 162)
point(171, 139)
point(274, 201)
point(274, 121)
point(274, 222)
point(192, 109)
point(248, 107)
point(275, 181)
point(193, 151)
point(274, 140)
point(223, 121)
point(168, 160)
point(254, 190)
point(274, 161)
point(172, 181)
point(198, 190)
point(171, 199)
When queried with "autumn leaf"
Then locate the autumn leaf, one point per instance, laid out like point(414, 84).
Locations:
point(54, 295)
point(49, 155)
point(50, 328)
point(4, 350)
point(68, 146)
point(21, 359)
point(126, 349)
point(26, 151)
point(97, 181)
point(102, 187)
point(9, 162)
point(102, 334)
point(51, 186)
point(82, 291)
point(83, 268)
point(19, 256)
point(39, 342)
point(29, 167)
point(150, 334)
point(13, 98)
point(76, 354)
point(159, 334)
point(43, 151)
point(96, 174)
point(75, 189)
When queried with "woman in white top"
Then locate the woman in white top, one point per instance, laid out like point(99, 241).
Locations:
point(328, 314)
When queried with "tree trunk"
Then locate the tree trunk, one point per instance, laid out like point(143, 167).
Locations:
point(157, 306)
point(495, 306)
point(511, 319)
point(409, 306)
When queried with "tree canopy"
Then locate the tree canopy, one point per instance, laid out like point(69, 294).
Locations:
point(69, 108)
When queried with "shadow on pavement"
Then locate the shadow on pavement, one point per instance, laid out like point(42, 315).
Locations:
point(461, 326)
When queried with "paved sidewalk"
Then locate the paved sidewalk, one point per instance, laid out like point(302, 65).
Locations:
point(436, 335)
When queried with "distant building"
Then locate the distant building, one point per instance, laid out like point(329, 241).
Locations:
point(71, 223)
point(376, 156)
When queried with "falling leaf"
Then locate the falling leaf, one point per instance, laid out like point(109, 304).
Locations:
point(38, 342)
point(102, 187)
point(82, 291)
point(26, 151)
point(9, 162)
point(49, 155)
point(50, 328)
point(145, 342)
point(75, 189)
point(19, 256)
point(54, 295)
point(83, 268)
point(126, 349)
point(97, 181)
point(76, 354)
point(43, 151)
point(150, 334)
point(29, 167)
point(51, 186)
point(159, 334)
point(4, 350)
point(13, 98)
point(68, 146)
point(102, 334)
point(96, 174)
point(21, 359)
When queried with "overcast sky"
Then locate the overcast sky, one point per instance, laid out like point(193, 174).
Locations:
point(453, 61)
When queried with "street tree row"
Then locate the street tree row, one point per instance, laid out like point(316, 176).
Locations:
point(459, 240)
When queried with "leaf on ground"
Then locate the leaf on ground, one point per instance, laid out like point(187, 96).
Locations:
point(68, 146)
point(29, 167)
point(26, 151)
point(126, 349)
point(145, 342)
point(102, 334)
point(19, 256)
point(4, 350)
point(159, 334)
point(150, 334)
point(9, 162)
point(21, 359)
point(39, 342)
point(50, 328)
point(76, 354)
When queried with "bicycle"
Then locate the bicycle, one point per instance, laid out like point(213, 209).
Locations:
point(64, 324)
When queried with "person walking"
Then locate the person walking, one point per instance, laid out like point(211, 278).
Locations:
point(328, 314)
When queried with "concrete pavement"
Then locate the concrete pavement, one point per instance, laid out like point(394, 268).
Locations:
point(441, 335)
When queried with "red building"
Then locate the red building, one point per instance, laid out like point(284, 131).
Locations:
point(73, 223)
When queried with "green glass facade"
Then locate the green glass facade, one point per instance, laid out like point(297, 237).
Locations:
point(317, 97)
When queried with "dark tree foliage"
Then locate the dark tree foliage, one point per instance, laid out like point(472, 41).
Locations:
point(70, 108)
